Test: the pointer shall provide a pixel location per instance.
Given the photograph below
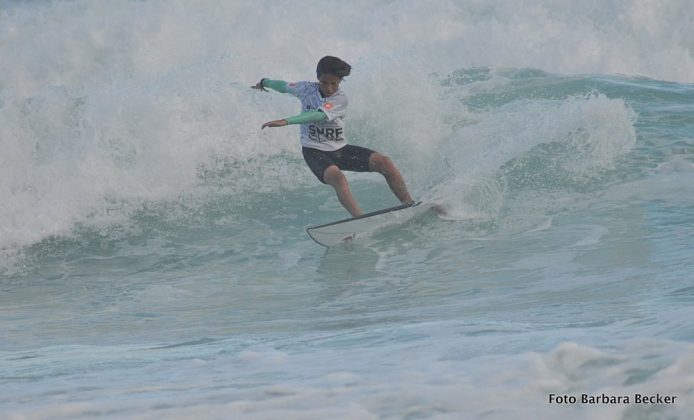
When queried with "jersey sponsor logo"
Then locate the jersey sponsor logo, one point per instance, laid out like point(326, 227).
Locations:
point(322, 135)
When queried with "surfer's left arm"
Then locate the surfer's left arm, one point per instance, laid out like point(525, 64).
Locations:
point(303, 118)
point(277, 85)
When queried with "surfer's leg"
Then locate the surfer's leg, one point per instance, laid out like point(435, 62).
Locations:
point(334, 177)
point(385, 166)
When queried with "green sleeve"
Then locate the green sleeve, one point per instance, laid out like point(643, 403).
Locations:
point(278, 85)
point(307, 117)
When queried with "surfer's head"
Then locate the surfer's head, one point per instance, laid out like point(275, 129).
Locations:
point(330, 72)
point(333, 65)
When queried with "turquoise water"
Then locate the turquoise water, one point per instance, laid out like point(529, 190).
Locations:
point(153, 255)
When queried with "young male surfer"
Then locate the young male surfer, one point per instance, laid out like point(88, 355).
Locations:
point(324, 146)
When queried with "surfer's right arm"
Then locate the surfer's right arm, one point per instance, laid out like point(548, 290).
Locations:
point(303, 118)
point(278, 85)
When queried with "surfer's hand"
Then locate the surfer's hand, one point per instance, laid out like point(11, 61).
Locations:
point(260, 86)
point(276, 123)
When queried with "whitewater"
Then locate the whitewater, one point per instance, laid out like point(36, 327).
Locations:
point(153, 255)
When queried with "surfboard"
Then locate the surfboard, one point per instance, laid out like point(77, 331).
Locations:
point(346, 230)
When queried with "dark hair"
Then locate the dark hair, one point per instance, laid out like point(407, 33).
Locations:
point(333, 65)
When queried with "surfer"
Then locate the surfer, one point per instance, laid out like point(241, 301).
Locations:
point(323, 142)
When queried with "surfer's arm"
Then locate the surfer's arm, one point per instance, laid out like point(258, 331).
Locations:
point(303, 118)
point(278, 85)
point(307, 117)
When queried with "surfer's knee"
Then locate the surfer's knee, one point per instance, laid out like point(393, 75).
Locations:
point(333, 176)
point(381, 164)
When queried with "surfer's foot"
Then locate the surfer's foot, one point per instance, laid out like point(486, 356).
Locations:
point(408, 203)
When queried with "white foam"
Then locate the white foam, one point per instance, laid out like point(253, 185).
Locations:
point(592, 131)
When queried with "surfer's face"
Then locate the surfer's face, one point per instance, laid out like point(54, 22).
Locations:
point(328, 84)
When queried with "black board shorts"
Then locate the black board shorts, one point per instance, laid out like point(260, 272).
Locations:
point(348, 158)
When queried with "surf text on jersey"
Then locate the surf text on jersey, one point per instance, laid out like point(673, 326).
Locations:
point(325, 134)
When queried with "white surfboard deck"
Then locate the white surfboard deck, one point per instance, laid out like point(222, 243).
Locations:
point(346, 230)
